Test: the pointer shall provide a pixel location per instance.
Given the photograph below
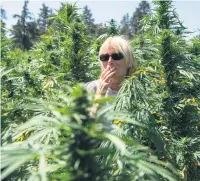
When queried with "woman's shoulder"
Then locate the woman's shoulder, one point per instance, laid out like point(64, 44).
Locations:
point(92, 86)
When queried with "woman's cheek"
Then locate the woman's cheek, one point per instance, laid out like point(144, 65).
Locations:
point(104, 66)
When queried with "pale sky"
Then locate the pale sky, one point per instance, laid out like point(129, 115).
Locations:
point(103, 11)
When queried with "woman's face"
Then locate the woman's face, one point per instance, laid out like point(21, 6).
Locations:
point(119, 65)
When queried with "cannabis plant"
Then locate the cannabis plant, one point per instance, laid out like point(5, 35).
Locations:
point(64, 142)
point(169, 75)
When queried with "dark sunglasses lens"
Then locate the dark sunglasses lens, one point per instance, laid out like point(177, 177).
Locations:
point(104, 57)
point(117, 56)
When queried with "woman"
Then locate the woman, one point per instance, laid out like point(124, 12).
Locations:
point(117, 62)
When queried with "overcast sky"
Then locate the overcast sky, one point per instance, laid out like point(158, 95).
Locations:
point(103, 11)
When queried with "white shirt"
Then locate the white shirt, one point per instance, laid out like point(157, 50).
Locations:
point(93, 85)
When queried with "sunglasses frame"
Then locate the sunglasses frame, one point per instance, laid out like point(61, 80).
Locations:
point(115, 57)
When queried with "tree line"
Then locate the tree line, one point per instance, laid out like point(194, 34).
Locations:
point(27, 30)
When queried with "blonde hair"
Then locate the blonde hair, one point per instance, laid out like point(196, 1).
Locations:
point(121, 44)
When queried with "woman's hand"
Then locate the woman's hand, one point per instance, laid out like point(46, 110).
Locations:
point(105, 80)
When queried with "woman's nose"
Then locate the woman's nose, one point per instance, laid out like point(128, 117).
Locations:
point(110, 60)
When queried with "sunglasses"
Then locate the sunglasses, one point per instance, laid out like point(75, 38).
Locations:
point(115, 56)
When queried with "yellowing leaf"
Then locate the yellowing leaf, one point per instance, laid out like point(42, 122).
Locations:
point(117, 121)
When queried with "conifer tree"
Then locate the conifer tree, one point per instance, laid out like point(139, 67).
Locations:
point(88, 21)
point(125, 26)
point(140, 12)
point(20, 32)
point(44, 23)
point(25, 32)
point(3, 17)
point(6, 44)
point(3, 33)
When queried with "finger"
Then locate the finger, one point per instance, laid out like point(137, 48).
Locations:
point(105, 71)
point(102, 87)
point(106, 79)
point(108, 72)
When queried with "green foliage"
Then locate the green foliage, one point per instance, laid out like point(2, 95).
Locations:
point(71, 32)
point(134, 100)
point(182, 116)
point(63, 142)
point(169, 73)
point(48, 132)
point(195, 48)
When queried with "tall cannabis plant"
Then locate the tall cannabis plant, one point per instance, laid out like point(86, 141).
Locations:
point(71, 29)
point(64, 50)
point(180, 107)
point(167, 94)
point(64, 143)
point(59, 143)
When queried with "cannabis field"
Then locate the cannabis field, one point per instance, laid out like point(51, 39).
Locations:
point(149, 131)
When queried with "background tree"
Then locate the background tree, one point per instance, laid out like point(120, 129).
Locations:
point(43, 21)
point(88, 21)
point(6, 43)
point(3, 17)
point(125, 28)
point(140, 12)
point(24, 32)
point(20, 32)
point(3, 33)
